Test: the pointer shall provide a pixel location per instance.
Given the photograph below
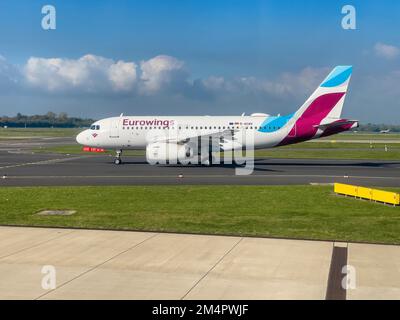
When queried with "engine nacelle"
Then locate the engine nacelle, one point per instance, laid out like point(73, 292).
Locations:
point(170, 153)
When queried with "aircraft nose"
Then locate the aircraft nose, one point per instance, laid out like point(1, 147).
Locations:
point(80, 138)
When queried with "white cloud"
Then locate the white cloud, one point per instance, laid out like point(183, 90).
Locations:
point(162, 72)
point(287, 84)
point(214, 83)
point(93, 74)
point(160, 76)
point(123, 75)
point(89, 73)
point(386, 51)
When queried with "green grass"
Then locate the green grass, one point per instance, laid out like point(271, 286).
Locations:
point(322, 150)
point(71, 132)
point(77, 149)
point(364, 136)
point(67, 149)
point(328, 150)
point(305, 150)
point(23, 133)
point(311, 212)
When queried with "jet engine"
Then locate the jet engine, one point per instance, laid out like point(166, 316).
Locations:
point(171, 153)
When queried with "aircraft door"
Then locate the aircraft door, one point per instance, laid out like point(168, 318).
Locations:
point(114, 128)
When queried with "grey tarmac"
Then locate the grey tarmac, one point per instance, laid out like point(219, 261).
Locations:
point(27, 169)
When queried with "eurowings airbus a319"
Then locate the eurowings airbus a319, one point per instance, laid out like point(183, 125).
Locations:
point(197, 139)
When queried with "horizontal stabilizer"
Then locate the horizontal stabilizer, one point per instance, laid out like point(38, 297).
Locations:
point(337, 123)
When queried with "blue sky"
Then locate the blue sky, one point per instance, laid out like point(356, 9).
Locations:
point(196, 57)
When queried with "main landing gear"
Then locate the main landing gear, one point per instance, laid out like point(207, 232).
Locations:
point(118, 157)
point(209, 161)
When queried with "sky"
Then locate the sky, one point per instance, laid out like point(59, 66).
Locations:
point(186, 57)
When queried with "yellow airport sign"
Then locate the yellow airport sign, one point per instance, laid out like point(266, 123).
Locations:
point(367, 193)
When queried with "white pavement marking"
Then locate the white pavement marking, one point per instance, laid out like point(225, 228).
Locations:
point(49, 161)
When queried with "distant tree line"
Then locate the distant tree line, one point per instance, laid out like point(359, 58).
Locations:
point(62, 120)
point(50, 119)
point(371, 127)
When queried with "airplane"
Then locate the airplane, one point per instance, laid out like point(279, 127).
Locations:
point(385, 131)
point(197, 139)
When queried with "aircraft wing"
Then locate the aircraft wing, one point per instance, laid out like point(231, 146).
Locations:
point(184, 138)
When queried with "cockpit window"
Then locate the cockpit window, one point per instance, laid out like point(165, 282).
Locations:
point(94, 127)
point(97, 127)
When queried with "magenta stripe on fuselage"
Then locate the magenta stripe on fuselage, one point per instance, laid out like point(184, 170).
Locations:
point(304, 128)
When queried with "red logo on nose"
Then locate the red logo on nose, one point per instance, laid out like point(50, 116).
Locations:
point(94, 135)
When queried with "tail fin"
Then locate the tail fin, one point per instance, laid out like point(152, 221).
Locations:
point(323, 106)
point(329, 96)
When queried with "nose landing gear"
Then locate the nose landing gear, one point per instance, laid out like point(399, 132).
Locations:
point(118, 159)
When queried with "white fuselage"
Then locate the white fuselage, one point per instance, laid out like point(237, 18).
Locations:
point(131, 132)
